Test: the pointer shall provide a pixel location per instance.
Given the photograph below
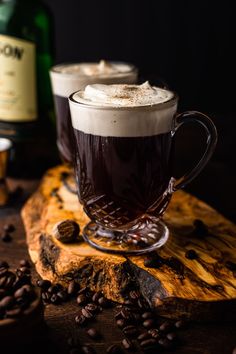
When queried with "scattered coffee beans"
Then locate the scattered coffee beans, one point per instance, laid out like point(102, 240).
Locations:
point(191, 254)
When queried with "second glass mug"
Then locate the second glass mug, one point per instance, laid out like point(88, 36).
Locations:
point(124, 158)
point(68, 78)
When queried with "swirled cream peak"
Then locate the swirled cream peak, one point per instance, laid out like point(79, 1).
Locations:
point(94, 69)
point(123, 95)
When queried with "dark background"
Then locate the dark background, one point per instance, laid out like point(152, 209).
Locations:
point(190, 45)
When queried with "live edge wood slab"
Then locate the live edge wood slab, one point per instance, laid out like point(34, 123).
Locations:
point(201, 289)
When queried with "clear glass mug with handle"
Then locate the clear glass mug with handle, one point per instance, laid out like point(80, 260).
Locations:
point(124, 163)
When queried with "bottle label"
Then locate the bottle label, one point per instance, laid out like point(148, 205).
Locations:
point(18, 100)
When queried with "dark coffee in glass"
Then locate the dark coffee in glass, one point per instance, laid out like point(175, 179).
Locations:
point(125, 175)
point(67, 78)
point(124, 144)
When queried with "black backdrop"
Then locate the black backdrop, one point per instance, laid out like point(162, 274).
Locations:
point(189, 44)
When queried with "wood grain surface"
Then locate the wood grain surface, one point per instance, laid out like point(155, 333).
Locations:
point(211, 338)
point(203, 288)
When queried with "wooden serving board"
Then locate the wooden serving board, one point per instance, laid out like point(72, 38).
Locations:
point(202, 289)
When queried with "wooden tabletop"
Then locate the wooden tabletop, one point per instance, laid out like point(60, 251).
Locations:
point(212, 338)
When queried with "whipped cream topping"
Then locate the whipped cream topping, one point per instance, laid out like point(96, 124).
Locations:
point(93, 69)
point(68, 78)
point(123, 110)
point(123, 95)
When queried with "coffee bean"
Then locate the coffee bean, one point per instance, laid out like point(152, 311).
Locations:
point(53, 289)
point(128, 302)
point(46, 297)
point(141, 304)
point(134, 295)
point(171, 336)
point(230, 265)
point(126, 314)
point(191, 254)
point(151, 263)
point(103, 302)
point(148, 323)
point(24, 263)
point(143, 336)
point(180, 324)
point(154, 332)
point(72, 288)
point(54, 299)
point(4, 264)
point(136, 316)
point(93, 333)
point(87, 313)
point(165, 343)
point(6, 237)
point(130, 330)
point(148, 343)
point(127, 344)
point(24, 270)
point(82, 290)
point(6, 302)
point(91, 307)
point(72, 342)
point(3, 293)
point(87, 349)
point(3, 280)
point(66, 231)
point(62, 295)
point(44, 284)
point(9, 228)
point(118, 314)
point(147, 315)
point(3, 272)
point(113, 349)
point(80, 319)
point(13, 313)
point(89, 294)
point(20, 292)
point(200, 228)
point(96, 296)
point(121, 323)
point(81, 299)
point(166, 326)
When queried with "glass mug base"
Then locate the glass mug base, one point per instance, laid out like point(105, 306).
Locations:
point(145, 236)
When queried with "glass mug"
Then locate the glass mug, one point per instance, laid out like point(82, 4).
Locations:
point(124, 170)
point(68, 78)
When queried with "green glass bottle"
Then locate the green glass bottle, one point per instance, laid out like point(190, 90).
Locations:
point(25, 94)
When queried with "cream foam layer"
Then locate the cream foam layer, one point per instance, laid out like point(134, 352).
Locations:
point(68, 78)
point(123, 120)
point(123, 95)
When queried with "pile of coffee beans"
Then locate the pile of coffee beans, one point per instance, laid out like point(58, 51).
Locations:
point(16, 290)
point(142, 329)
point(6, 233)
point(56, 293)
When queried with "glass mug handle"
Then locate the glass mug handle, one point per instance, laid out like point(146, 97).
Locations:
point(211, 132)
